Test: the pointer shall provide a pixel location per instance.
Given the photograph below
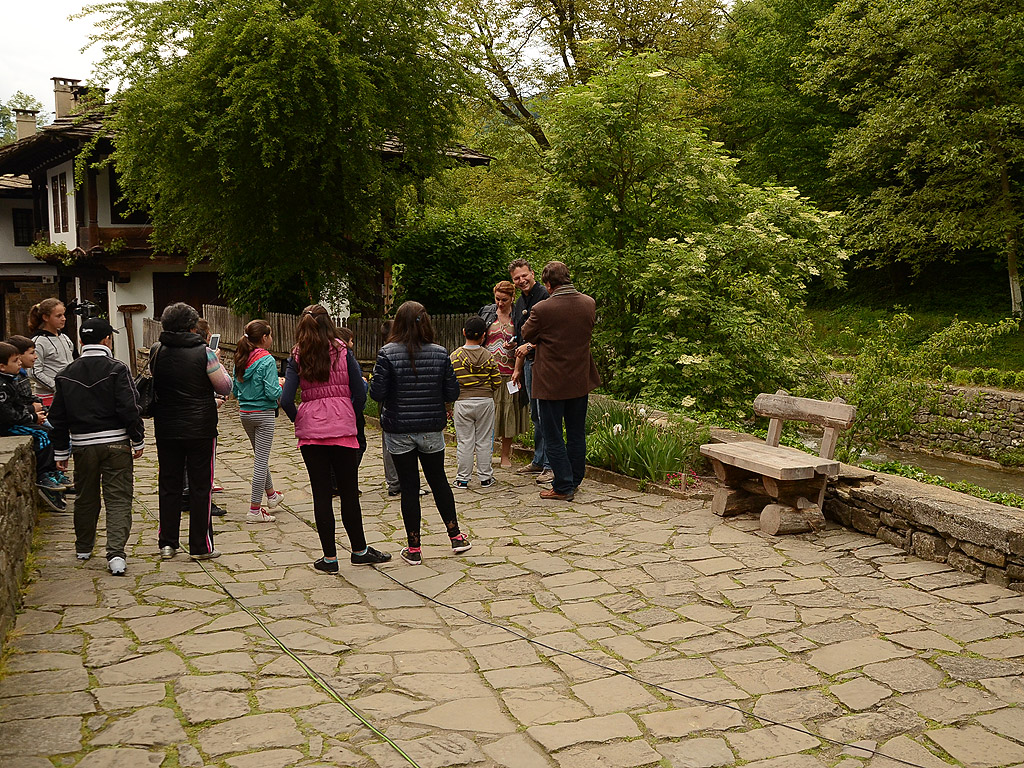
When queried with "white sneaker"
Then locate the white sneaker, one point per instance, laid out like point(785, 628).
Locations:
point(277, 498)
point(83, 555)
point(259, 516)
point(117, 565)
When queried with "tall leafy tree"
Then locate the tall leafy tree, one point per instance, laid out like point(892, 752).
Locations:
point(936, 90)
point(780, 133)
point(699, 278)
point(516, 53)
point(20, 100)
point(252, 130)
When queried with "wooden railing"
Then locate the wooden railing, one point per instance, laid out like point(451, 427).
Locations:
point(447, 330)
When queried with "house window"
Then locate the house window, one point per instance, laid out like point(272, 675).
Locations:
point(59, 195)
point(63, 202)
point(22, 226)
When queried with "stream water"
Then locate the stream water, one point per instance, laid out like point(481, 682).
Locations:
point(1009, 480)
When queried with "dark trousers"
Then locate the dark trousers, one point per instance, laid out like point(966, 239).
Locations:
point(321, 461)
point(173, 456)
point(567, 456)
point(108, 466)
point(409, 480)
point(44, 460)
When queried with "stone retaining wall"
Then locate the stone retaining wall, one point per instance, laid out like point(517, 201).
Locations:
point(974, 421)
point(974, 536)
point(18, 512)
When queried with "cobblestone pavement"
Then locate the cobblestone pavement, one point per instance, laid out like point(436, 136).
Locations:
point(838, 634)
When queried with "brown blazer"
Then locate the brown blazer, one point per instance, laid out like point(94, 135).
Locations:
point(562, 327)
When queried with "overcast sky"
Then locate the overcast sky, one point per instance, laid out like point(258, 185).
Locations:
point(38, 42)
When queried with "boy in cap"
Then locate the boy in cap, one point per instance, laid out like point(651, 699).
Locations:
point(95, 415)
point(473, 413)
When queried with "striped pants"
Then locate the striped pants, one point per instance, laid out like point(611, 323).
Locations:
point(259, 426)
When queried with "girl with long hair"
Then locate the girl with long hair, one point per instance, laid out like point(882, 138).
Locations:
point(54, 348)
point(511, 418)
point(413, 380)
point(258, 389)
point(333, 391)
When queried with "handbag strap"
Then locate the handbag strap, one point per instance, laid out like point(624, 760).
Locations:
point(152, 357)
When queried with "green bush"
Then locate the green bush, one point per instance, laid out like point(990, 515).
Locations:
point(1009, 380)
point(993, 377)
point(962, 378)
point(947, 374)
point(620, 438)
point(1011, 457)
point(1018, 381)
point(450, 262)
point(977, 376)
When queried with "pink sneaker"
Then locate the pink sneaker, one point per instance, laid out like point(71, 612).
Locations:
point(217, 488)
point(259, 516)
point(274, 499)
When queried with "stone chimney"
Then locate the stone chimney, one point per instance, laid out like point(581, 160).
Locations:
point(64, 96)
point(26, 122)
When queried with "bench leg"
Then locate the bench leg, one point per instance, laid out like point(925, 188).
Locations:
point(782, 519)
point(729, 502)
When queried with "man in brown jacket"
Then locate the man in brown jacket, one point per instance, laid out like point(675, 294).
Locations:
point(564, 373)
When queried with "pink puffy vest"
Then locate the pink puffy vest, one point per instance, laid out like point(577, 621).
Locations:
point(325, 415)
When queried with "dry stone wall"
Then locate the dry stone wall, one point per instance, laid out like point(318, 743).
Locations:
point(18, 513)
point(973, 421)
point(974, 536)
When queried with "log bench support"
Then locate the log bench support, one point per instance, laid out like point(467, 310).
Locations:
point(785, 485)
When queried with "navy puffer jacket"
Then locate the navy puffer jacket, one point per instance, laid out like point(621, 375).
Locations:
point(413, 401)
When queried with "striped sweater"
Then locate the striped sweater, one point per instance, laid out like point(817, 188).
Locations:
point(476, 371)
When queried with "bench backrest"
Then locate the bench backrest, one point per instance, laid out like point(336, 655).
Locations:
point(834, 416)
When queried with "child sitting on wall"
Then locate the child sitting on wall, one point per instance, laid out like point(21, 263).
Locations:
point(20, 414)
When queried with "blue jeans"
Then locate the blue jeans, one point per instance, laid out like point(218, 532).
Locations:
point(540, 454)
point(568, 456)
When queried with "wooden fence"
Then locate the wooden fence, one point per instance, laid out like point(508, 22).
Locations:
point(447, 330)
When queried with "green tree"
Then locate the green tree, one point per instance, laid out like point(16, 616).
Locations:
point(20, 100)
point(699, 278)
point(936, 90)
point(779, 133)
point(516, 53)
point(450, 262)
point(252, 130)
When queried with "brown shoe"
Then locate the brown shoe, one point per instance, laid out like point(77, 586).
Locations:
point(551, 493)
point(530, 469)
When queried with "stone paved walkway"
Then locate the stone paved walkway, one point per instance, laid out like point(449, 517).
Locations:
point(838, 633)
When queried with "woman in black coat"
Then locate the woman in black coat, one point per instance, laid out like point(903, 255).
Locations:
point(413, 380)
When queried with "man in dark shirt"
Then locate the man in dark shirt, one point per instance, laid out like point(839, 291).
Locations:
point(531, 292)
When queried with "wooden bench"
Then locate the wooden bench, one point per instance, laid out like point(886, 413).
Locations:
point(786, 485)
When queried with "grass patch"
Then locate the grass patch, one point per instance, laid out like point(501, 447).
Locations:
point(840, 331)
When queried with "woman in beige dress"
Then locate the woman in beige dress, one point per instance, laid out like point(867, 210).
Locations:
point(511, 417)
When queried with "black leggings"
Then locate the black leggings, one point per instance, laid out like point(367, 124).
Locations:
point(409, 479)
point(320, 461)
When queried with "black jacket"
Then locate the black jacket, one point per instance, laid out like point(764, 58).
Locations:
point(489, 312)
point(16, 402)
point(95, 403)
point(184, 409)
point(413, 401)
point(523, 307)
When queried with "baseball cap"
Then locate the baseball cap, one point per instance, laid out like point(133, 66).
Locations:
point(94, 330)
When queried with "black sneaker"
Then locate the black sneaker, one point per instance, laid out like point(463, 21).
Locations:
point(412, 557)
point(326, 566)
point(487, 483)
point(370, 557)
point(53, 499)
point(217, 511)
point(460, 543)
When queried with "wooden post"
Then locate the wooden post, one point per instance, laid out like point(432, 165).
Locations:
point(127, 310)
